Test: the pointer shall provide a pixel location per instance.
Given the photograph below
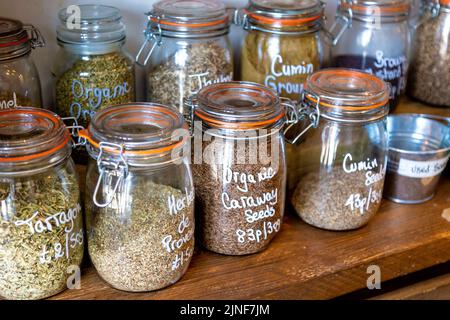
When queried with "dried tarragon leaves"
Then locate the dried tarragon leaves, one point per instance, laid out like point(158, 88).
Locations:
point(93, 83)
point(41, 233)
point(186, 71)
point(140, 242)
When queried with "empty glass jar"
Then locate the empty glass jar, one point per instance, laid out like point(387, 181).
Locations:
point(186, 48)
point(338, 162)
point(41, 223)
point(140, 203)
point(374, 36)
point(19, 77)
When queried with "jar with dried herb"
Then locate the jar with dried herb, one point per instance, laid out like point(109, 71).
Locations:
point(239, 166)
point(41, 225)
point(284, 44)
point(189, 49)
point(429, 76)
point(140, 212)
point(339, 157)
point(19, 78)
point(92, 68)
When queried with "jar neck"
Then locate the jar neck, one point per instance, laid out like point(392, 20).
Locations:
point(298, 30)
point(92, 48)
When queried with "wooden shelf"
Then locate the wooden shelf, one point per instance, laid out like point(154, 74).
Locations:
point(307, 263)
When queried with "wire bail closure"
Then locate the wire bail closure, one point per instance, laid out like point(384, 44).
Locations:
point(343, 19)
point(153, 38)
point(75, 128)
point(110, 168)
point(36, 38)
point(304, 112)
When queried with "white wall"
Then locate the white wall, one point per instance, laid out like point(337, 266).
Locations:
point(43, 15)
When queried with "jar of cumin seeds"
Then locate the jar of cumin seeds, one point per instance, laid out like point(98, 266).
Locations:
point(341, 152)
point(239, 166)
point(41, 223)
point(140, 208)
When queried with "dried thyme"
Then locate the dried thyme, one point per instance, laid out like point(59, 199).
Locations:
point(41, 234)
point(176, 79)
point(93, 83)
point(144, 240)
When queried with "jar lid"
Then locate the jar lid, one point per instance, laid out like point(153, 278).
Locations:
point(15, 40)
point(191, 15)
point(135, 130)
point(444, 2)
point(94, 24)
point(347, 93)
point(372, 7)
point(31, 134)
point(239, 106)
point(284, 13)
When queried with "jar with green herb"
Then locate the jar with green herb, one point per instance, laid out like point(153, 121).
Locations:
point(92, 69)
point(41, 225)
point(186, 48)
point(140, 203)
point(19, 77)
point(283, 45)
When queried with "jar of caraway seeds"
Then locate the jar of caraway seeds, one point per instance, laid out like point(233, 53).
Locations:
point(92, 68)
point(239, 166)
point(337, 183)
point(19, 78)
point(283, 45)
point(186, 47)
point(140, 208)
point(429, 77)
point(374, 36)
point(41, 224)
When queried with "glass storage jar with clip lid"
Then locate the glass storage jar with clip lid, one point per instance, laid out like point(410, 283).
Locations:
point(239, 165)
point(92, 68)
point(41, 224)
point(338, 165)
point(140, 212)
point(374, 36)
point(19, 78)
point(284, 43)
point(429, 77)
point(186, 47)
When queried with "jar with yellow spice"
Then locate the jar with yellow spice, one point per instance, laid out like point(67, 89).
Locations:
point(284, 43)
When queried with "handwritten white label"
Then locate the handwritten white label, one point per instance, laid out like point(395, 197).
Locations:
point(9, 104)
point(421, 169)
point(200, 80)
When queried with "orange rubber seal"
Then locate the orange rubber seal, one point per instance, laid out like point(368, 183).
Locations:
point(368, 9)
point(240, 125)
point(282, 22)
point(14, 43)
point(190, 25)
point(348, 108)
point(444, 2)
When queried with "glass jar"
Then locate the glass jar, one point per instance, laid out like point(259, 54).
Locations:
point(374, 37)
point(92, 68)
point(189, 49)
point(336, 181)
point(19, 78)
point(239, 166)
point(140, 215)
point(41, 224)
point(429, 76)
point(283, 45)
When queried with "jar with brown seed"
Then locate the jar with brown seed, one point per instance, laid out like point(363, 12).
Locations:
point(339, 156)
point(239, 166)
point(186, 48)
point(41, 223)
point(429, 77)
point(140, 208)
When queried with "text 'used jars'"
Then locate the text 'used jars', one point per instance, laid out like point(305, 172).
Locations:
point(140, 203)
point(239, 166)
point(337, 168)
point(41, 223)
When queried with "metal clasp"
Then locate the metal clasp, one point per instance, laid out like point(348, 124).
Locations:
point(110, 168)
point(190, 104)
point(345, 20)
point(75, 128)
point(153, 38)
point(240, 18)
point(305, 112)
point(36, 38)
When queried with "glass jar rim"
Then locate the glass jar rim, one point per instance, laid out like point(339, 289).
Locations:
point(140, 129)
point(97, 24)
point(390, 8)
point(30, 134)
point(239, 105)
point(14, 39)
